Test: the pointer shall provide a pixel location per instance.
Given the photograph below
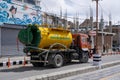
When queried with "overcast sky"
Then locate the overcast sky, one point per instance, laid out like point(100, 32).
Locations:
point(83, 8)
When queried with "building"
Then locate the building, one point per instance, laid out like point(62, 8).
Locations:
point(14, 14)
point(116, 38)
point(104, 37)
point(20, 12)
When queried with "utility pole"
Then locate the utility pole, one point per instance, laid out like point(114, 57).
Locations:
point(65, 18)
point(74, 23)
point(101, 28)
point(91, 18)
point(110, 29)
point(91, 25)
point(97, 55)
point(110, 23)
point(96, 25)
point(60, 21)
point(77, 21)
point(61, 12)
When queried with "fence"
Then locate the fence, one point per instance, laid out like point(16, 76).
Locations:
point(9, 44)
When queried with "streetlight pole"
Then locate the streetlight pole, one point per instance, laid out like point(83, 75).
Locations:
point(97, 56)
point(96, 25)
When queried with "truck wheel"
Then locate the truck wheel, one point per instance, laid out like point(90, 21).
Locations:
point(58, 60)
point(84, 57)
point(37, 64)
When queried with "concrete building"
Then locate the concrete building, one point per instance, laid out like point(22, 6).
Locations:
point(104, 37)
point(116, 38)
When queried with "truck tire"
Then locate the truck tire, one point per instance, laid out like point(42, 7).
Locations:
point(37, 64)
point(58, 60)
point(84, 57)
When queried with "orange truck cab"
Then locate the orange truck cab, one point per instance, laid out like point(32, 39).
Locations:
point(82, 41)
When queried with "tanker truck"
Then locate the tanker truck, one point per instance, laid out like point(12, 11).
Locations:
point(53, 46)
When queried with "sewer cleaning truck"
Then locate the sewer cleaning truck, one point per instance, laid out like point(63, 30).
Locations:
point(54, 46)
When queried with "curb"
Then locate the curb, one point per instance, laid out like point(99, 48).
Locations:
point(3, 64)
point(67, 73)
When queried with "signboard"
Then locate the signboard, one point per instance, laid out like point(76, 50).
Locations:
point(92, 33)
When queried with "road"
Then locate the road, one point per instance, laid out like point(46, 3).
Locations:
point(17, 72)
point(112, 73)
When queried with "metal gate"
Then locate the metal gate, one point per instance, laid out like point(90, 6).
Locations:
point(10, 45)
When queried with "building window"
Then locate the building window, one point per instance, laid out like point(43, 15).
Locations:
point(30, 1)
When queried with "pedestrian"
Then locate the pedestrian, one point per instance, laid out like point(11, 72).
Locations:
point(94, 50)
point(103, 48)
